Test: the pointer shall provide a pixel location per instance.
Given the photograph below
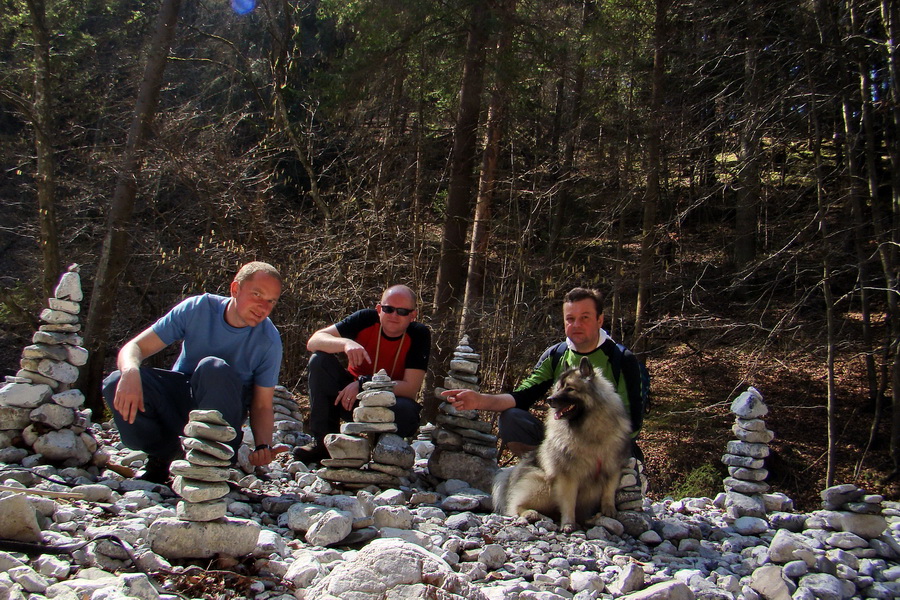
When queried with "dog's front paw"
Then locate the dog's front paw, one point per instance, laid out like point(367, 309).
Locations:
point(530, 516)
point(568, 528)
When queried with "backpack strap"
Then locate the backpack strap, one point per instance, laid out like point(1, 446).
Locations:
point(556, 354)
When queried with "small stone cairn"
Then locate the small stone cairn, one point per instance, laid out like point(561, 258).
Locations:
point(745, 457)
point(855, 516)
point(38, 406)
point(201, 528)
point(288, 418)
point(630, 494)
point(367, 451)
point(465, 448)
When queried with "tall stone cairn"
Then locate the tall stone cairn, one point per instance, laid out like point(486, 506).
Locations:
point(201, 528)
point(200, 478)
point(39, 409)
point(745, 457)
point(367, 451)
point(465, 447)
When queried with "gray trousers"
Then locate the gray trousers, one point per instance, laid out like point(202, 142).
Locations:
point(170, 396)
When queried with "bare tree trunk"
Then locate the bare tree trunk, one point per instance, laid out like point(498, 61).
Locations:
point(826, 283)
point(451, 275)
point(45, 181)
point(572, 135)
point(748, 189)
point(478, 247)
point(654, 162)
point(889, 243)
point(115, 250)
point(859, 226)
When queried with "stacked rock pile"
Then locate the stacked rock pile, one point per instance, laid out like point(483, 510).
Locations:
point(465, 448)
point(288, 418)
point(38, 406)
point(200, 478)
point(630, 495)
point(202, 528)
point(367, 451)
point(745, 456)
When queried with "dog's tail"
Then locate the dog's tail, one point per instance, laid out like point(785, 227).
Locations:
point(501, 485)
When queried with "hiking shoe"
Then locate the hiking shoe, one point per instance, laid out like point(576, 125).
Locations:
point(156, 470)
point(310, 453)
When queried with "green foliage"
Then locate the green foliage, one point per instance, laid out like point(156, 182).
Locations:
point(704, 481)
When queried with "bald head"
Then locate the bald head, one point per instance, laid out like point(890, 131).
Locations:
point(399, 291)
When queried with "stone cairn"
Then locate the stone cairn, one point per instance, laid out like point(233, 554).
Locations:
point(201, 528)
point(857, 518)
point(632, 486)
point(465, 448)
point(38, 406)
point(745, 457)
point(288, 418)
point(367, 451)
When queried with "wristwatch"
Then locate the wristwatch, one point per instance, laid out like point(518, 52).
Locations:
point(263, 447)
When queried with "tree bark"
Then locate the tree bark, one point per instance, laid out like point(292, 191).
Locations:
point(748, 187)
point(115, 250)
point(45, 181)
point(889, 242)
point(451, 275)
point(478, 247)
point(654, 165)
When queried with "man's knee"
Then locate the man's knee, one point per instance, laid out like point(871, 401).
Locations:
point(518, 425)
point(406, 416)
point(324, 364)
point(110, 385)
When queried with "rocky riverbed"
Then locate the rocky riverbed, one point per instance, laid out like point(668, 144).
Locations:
point(88, 533)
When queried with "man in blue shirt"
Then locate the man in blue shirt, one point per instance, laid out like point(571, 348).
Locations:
point(229, 361)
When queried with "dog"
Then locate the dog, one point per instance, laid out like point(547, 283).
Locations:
point(577, 467)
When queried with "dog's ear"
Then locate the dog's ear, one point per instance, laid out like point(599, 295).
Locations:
point(586, 369)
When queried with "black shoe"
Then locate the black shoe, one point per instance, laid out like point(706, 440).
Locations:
point(156, 470)
point(310, 453)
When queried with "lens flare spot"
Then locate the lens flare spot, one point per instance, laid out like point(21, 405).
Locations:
point(242, 7)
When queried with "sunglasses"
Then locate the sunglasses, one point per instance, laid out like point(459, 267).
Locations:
point(403, 312)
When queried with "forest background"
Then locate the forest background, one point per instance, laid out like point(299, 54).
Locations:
point(727, 173)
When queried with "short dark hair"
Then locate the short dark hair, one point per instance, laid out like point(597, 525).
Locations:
point(252, 268)
point(581, 293)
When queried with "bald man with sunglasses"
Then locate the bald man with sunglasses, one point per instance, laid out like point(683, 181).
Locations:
point(386, 337)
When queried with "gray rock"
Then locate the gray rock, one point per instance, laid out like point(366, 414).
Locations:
point(18, 520)
point(12, 417)
point(24, 395)
point(215, 449)
point(199, 472)
point(69, 398)
point(749, 405)
point(331, 527)
point(351, 447)
point(210, 432)
point(478, 472)
point(53, 415)
point(194, 490)
point(373, 414)
point(69, 287)
point(394, 450)
point(62, 445)
point(174, 538)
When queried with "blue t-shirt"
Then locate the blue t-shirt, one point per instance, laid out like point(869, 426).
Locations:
point(199, 323)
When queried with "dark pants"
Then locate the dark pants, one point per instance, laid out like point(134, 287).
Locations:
point(517, 425)
point(170, 396)
point(327, 377)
